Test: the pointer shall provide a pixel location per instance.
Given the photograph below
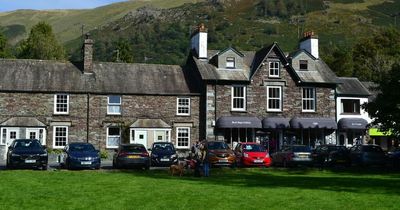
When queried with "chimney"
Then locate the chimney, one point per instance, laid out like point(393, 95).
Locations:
point(309, 43)
point(199, 41)
point(87, 54)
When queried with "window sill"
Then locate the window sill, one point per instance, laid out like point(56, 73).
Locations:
point(58, 147)
point(111, 147)
point(60, 114)
point(182, 115)
point(306, 111)
point(112, 114)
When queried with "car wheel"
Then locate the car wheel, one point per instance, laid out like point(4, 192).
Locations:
point(284, 164)
point(44, 167)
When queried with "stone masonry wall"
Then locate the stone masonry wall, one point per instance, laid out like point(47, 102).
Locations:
point(41, 106)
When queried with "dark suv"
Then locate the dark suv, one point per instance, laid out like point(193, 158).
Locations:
point(330, 155)
point(163, 154)
point(27, 153)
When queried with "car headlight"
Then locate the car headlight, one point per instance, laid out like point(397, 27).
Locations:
point(245, 155)
point(174, 156)
point(43, 155)
point(15, 155)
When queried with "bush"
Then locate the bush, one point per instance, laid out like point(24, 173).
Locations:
point(103, 154)
point(54, 151)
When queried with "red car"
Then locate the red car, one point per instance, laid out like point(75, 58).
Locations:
point(252, 154)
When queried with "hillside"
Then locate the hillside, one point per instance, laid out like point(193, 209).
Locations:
point(162, 35)
point(67, 24)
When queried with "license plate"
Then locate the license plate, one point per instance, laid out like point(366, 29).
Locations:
point(30, 161)
point(164, 159)
point(133, 156)
point(223, 161)
point(86, 162)
point(258, 161)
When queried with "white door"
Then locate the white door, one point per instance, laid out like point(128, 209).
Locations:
point(141, 137)
point(36, 133)
point(11, 135)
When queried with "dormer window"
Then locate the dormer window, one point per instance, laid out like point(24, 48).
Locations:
point(303, 64)
point(230, 62)
point(274, 69)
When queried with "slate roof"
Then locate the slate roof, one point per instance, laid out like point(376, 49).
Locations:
point(22, 122)
point(149, 123)
point(108, 78)
point(351, 86)
point(210, 72)
point(320, 74)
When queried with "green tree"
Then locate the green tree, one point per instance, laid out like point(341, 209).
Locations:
point(123, 52)
point(340, 60)
point(4, 53)
point(41, 44)
point(281, 8)
point(385, 109)
point(373, 57)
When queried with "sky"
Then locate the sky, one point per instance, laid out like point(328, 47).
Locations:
point(11, 5)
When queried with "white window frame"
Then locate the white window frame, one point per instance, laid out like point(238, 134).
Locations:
point(280, 99)
point(312, 99)
point(55, 104)
point(276, 70)
point(178, 106)
point(177, 138)
point(54, 136)
point(230, 63)
point(107, 136)
point(233, 97)
point(114, 104)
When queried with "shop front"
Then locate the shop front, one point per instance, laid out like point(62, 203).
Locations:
point(383, 139)
point(351, 131)
point(238, 128)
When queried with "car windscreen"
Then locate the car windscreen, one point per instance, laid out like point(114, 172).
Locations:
point(372, 149)
point(163, 147)
point(81, 147)
point(254, 148)
point(301, 149)
point(217, 145)
point(337, 148)
point(133, 148)
point(27, 145)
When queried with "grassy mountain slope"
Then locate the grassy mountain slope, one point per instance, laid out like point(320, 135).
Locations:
point(162, 35)
point(67, 23)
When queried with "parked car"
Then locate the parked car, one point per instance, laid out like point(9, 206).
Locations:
point(163, 154)
point(80, 155)
point(27, 153)
point(131, 155)
point(220, 154)
point(367, 154)
point(330, 155)
point(394, 157)
point(252, 154)
point(292, 155)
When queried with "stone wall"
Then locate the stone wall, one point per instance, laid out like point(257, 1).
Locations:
point(41, 106)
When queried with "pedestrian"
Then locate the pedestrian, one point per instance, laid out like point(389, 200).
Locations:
point(205, 160)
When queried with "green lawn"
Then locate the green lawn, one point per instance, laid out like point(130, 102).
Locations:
point(225, 189)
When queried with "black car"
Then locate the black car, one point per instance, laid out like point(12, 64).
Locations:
point(27, 153)
point(81, 155)
point(367, 155)
point(330, 155)
point(131, 155)
point(394, 157)
point(163, 154)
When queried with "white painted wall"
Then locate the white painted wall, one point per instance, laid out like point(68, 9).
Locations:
point(363, 114)
point(199, 43)
point(310, 45)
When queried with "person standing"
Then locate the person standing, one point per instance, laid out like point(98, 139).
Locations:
point(204, 159)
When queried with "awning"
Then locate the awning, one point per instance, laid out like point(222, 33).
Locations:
point(352, 123)
point(275, 122)
point(377, 132)
point(328, 123)
point(22, 122)
point(238, 122)
point(149, 123)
